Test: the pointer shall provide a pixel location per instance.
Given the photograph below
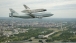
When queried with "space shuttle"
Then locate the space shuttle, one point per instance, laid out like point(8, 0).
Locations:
point(13, 13)
point(30, 13)
point(28, 10)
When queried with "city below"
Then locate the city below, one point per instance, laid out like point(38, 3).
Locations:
point(45, 30)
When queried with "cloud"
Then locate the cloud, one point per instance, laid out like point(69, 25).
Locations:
point(65, 7)
point(64, 13)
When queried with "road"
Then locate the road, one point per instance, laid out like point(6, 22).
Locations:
point(49, 34)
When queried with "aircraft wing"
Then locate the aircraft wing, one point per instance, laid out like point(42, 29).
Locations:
point(31, 15)
point(26, 7)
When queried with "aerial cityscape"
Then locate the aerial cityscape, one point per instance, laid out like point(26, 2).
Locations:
point(37, 30)
point(38, 21)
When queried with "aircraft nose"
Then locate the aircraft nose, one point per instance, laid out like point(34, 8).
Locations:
point(44, 10)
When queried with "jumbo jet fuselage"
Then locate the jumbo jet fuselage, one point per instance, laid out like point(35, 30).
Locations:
point(29, 15)
point(34, 15)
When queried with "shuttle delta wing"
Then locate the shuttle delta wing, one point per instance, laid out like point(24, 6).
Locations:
point(31, 15)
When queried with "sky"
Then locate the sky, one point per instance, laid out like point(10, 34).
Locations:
point(60, 8)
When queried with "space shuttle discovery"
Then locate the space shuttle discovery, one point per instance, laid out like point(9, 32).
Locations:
point(28, 10)
point(29, 15)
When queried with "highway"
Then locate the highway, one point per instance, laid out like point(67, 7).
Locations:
point(49, 34)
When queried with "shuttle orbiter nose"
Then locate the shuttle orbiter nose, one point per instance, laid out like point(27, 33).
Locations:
point(44, 10)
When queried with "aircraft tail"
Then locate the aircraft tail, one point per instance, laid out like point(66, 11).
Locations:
point(26, 7)
point(13, 13)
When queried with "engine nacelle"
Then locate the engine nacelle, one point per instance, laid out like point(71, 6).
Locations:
point(39, 17)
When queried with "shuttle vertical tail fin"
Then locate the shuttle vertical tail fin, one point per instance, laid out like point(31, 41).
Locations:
point(26, 7)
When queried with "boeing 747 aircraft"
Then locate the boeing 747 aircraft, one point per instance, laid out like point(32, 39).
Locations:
point(28, 10)
point(29, 15)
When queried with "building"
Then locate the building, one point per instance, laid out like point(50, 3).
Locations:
point(7, 33)
point(40, 36)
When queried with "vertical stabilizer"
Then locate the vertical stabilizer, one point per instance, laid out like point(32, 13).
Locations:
point(26, 7)
point(13, 13)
